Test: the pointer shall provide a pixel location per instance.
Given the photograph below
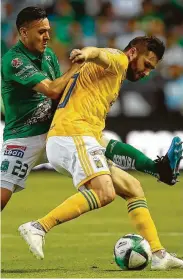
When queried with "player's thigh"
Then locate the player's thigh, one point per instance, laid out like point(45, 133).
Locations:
point(18, 157)
point(5, 194)
point(125, 184)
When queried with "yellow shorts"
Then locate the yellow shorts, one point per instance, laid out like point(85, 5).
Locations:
point(81, 157)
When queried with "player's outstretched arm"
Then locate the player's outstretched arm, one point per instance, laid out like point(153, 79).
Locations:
point(54, 89)
point(90, 54)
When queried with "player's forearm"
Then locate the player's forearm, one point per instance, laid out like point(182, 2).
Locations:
point(96, 55)
point(54, 89)
point(58, 85)
point(91, 53)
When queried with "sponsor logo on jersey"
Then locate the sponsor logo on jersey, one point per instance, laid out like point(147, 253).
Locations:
point(15, 150)
point(16, 63)
point(29, 74)
point(42, 113)
point(21, 72)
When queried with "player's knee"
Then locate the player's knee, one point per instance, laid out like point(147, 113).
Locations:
point(106, 195)
point(103, 187)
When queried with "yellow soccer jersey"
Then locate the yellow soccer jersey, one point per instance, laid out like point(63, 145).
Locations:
point(88, 96)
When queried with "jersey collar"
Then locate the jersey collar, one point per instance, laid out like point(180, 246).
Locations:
point(28, 53)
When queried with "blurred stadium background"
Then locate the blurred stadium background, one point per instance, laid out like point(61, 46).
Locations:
point(147, 113)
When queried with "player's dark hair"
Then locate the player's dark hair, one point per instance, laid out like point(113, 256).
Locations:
point(149, 43)
point(28, 15)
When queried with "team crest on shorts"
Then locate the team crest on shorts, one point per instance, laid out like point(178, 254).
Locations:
point(98, 162)
point(15, 150)
point(5, 165)
point(16, 63)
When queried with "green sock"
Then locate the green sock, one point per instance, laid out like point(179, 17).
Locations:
point(126, 156)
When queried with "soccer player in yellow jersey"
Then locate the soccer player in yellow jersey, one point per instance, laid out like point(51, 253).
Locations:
point(88, 96)
point(75, 144)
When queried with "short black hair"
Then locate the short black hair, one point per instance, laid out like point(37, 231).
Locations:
point(28, 15)
point(151, 43)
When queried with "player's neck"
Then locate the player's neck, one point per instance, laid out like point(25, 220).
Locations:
point(33, 51)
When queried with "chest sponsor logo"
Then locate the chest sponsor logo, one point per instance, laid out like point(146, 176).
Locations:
point(43, 112)
point(21, 72)
point(16, 62)
point(15, 150)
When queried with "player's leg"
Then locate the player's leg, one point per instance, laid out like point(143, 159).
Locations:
point(6, 193)
point(97, 193)
point(164, 168)
point(128, 187)
point(84, 159)
point(76, 158)
point(18, 157)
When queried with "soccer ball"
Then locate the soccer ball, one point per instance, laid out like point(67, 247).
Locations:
point(132, 252)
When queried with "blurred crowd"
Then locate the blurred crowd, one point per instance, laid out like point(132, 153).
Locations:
point(113, 23)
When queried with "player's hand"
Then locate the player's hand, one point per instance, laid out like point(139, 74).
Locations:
point(78, 56)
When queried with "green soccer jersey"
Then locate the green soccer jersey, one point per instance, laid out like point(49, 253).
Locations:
point(27, 112)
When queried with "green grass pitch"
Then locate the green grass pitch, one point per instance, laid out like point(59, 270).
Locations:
point(83, 248)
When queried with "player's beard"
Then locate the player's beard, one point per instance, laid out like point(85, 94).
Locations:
point(130, 73)
point(134, 75)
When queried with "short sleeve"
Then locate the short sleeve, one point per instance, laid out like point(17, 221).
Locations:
point(21, 70)
point(118, 61)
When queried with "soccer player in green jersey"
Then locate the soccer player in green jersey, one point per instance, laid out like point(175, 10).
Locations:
point(31, 85)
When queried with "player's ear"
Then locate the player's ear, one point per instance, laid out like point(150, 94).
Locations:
point(132, 53)
point(23, 32)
